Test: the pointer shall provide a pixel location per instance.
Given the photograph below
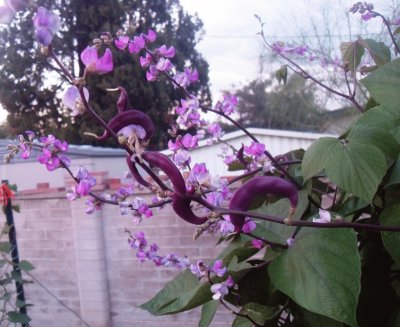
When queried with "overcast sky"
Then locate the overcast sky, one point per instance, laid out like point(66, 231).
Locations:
point(231, 44)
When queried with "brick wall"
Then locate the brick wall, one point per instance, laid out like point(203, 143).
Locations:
point(86, 262)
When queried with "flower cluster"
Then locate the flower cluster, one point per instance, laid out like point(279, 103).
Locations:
point(365, 9)
point(85, 184)
point(52, 153)
point(219, 290)
point(137, 207)
point(143, 253)
point(46, 24)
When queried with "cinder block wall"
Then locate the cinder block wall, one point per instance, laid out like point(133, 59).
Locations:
point(85, 261)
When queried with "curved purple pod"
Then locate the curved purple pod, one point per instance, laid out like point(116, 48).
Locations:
point(181, 206)
point(258, 185)
point(126, 118)
point(122, 103)
point(135, 173)
point(161, 161)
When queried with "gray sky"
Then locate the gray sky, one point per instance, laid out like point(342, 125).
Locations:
point(231, 45)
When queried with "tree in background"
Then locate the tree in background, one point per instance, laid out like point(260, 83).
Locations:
point(293, 106)
point(33, 97)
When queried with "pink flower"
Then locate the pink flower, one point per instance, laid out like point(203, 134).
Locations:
point(94, 64)
point(152, 73)
point(189, 141)
point(256, 149)
point(46, 25)
point(167, 52)
point(215, 129)
point(164, 65)
point(150, 37)
point(219, 268)
point(258, 244)
point(324, 217)
point(72, 100)
point(249, 226)
point(122, 42)
point(136, 45)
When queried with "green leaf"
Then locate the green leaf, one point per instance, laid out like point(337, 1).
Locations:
point(321, 272)
point(237, 248)
point(242, 322)
point(279, 233)
point(316, 156)
point(391, 240)
point(379, 52)
point(16, 208)
point(381, 117)
point(208, 312)
point(311, 319)
point(5, 247)
point(17, 317)
point(395, 175)
point(379, 137)
point(384, 84)
point(281, 74)
point(26, 265)
point(356, 168)
point(236, 165)
point(179, 286)
point(352, 53)
point(16, 275)
point(259, 313)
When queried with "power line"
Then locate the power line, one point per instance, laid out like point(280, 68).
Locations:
point(211, 36)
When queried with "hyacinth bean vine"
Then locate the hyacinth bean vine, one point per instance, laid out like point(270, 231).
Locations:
point(311, 237)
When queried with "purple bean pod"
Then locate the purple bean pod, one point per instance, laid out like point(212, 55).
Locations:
point(182, 208)
point(240, 156)
point(135, 173)
point(122, 103)
point(180, 203)
point(258, 185)
point(161, 161)
point(126, 118)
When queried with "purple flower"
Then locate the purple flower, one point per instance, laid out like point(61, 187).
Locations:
point(187, 77)
point(324, 217)
point(46, 25)
point(47, 158)
point(219, 268)
point(189, 141)
point(367, 16)
point(226, 227)
point(136, 45)
point(150, 37)
point(290, 241)
point(152, 73)
point(92, 206)
point(72, 100)
point(248, 226)
point(146, 61)
point(215, 129)
point(94, 64)
point(26, 150)
point(256, 149)
point(199, 269)
point(227, 105)
point(167, 52)
point(221, 289)
point(122, 42)
point(164, 65)
point(258, 244)
point(9, 9)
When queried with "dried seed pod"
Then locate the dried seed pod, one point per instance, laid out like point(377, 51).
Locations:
point(259, 185)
